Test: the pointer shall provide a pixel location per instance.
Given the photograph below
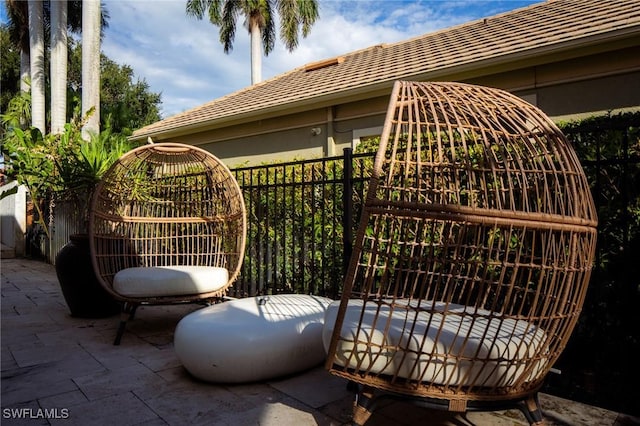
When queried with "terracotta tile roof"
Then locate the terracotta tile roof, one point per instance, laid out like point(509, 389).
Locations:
point(534, 29)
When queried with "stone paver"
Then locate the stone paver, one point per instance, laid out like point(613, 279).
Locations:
point(60, 370)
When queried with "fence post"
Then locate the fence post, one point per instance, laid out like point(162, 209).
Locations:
point(347, 201)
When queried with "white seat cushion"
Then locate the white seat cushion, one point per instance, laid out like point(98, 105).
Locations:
point(169, 280)
point(462, 347)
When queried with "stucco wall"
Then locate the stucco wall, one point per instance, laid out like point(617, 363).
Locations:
point(592, 96)
point(270, 147)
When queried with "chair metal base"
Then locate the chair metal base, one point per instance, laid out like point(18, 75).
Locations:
point(128, 313)
point(367, 399)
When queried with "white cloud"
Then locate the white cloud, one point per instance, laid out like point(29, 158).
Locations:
point(182, 58)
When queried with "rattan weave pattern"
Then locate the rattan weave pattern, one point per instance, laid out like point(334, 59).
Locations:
point(164, 205)
point(476, 200)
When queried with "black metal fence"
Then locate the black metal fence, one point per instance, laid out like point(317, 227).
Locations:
point(301, 219)
point(600, 365)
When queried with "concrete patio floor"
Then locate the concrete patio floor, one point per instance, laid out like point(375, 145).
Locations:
point(57, 369)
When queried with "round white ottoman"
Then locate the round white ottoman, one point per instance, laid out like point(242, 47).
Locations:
point(252, 339)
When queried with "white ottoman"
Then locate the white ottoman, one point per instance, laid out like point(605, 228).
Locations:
point(252, 339)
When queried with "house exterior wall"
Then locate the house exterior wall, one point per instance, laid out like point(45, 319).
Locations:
point(576, 87)
point(563, 88)
point(597, 95)
point(270, 147)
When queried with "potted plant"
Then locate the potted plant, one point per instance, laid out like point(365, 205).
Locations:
point(66, 168)
point(80, 172)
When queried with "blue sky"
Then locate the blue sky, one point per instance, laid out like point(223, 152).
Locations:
point(181, 57)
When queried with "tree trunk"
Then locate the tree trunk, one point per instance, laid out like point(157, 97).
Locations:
point(25, 70)
point(91, 65)
point(58, 65)
point(256, 53)
point(36, 44)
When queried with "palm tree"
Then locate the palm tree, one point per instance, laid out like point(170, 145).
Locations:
point(58, 65)
point(36, 53)
point(18, 26)
point(64, 16)
point(18, 14)
point(91, 66)
point(294, 15)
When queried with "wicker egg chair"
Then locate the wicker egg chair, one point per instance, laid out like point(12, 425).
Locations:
point(472, 258)
point(167, 225)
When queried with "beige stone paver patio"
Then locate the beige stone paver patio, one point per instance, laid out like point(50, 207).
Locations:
point(69, 367)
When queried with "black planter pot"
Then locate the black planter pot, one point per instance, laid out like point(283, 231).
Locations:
point(83, 293)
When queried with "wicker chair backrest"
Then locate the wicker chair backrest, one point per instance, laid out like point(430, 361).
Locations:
point(163, 205)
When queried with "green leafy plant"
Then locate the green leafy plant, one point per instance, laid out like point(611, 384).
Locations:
point(608, 147)
point(81, 164)
point(17, 113)
point(30, 163)
point(59, 166)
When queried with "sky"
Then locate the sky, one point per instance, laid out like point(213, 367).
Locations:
point(181, 57)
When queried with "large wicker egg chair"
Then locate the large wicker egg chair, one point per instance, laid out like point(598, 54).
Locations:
point(472, 258)
point(167, 225)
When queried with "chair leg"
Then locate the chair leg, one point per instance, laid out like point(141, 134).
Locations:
point(532, 410)
point(363, 405)
point(132, 314)
point(127, 313)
